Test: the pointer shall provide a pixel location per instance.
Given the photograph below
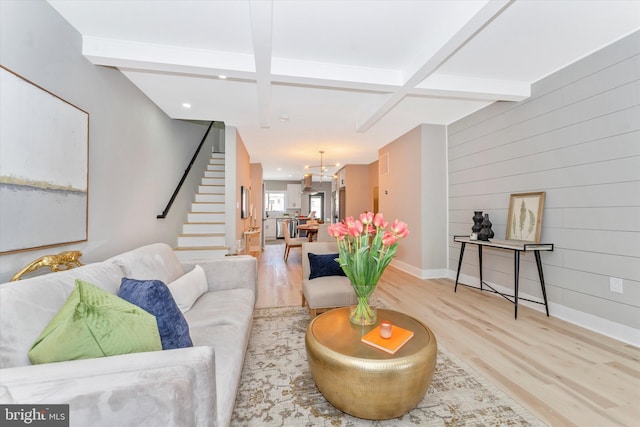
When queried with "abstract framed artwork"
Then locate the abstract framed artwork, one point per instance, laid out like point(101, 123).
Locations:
point(525, 217)
point(44, 167)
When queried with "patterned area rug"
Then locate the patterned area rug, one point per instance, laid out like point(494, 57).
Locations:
point(276, 388)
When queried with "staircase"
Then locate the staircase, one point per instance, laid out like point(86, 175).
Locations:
point(203, 234)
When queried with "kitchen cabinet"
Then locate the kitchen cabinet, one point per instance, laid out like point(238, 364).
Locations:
point(270, 229)
point(294, 196)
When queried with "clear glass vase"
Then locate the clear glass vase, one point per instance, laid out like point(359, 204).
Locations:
point(363, 313)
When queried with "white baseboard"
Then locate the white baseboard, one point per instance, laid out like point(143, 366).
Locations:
point(417, 272)
point(605, 327)
point(588, 321)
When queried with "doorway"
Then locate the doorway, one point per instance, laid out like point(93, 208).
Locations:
point(316, 203)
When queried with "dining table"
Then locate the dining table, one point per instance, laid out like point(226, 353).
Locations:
point(311, 229)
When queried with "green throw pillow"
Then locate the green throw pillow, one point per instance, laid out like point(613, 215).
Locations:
point(94, 323)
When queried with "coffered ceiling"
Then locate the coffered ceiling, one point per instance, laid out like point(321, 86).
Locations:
point(343, 76)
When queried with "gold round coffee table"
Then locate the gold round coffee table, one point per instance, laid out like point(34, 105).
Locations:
point(361, 380)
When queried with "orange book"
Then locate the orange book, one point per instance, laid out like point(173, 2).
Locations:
point(399, 337)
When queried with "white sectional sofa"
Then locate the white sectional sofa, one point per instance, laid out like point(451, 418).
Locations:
point(194, 386)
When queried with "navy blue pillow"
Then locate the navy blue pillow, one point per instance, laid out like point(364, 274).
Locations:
point(324, 265)
point(154, 297)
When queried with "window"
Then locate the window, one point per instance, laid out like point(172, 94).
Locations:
point(274, 200)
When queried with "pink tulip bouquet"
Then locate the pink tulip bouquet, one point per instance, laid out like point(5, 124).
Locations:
point(366, 247)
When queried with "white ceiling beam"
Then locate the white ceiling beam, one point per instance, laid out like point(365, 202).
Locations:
point(470, 87)
point(478, 91)
point(502, 90)
point(338, 72)
point(262, 32)
point(265, 70)
point(479, 95)
point(468, 31)
point(154, 57)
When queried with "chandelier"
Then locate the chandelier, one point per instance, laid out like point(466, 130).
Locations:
point(322, 168)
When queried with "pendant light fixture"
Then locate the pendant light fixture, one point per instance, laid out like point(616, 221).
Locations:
point(322, 168)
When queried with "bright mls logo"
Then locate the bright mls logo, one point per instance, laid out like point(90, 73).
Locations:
point(34, 415)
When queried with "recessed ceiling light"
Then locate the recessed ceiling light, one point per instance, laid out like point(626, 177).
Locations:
point(284, 117)
point(279, 169)
point(222, 77)
point(186, 105)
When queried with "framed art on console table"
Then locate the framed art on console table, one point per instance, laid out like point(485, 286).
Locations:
point(525, 217)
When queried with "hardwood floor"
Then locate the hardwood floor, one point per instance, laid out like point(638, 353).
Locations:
point(564, 374)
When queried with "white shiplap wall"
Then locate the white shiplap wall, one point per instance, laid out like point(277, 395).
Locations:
point(578, 139)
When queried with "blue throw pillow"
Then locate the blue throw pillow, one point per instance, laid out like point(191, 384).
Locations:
point(154, 297)
point(324, 265)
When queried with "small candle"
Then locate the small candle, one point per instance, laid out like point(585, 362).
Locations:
point(385, 329)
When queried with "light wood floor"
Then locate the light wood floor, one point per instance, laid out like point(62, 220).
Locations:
point(564, 374)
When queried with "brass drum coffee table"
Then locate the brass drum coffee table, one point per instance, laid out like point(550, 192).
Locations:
point(364, 381)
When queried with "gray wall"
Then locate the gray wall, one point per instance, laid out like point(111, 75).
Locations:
point(578, 139)
point(136, 153)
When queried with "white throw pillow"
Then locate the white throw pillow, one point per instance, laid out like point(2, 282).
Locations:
point(187, 289)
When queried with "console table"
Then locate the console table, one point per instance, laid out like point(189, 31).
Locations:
point(516, 246)
point(248, 234)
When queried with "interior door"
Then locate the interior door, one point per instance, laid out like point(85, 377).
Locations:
point(375, 199)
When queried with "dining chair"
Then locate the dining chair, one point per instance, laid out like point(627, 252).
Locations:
point(290, 242)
